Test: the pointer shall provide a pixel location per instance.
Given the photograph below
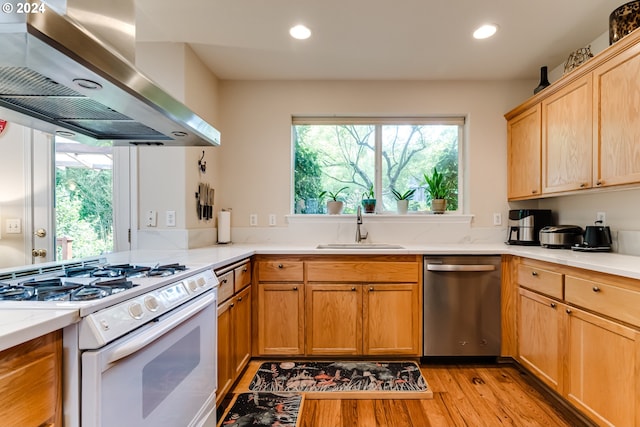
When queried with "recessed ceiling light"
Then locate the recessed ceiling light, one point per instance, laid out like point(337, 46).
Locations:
point(300, 32)
point(485, 31)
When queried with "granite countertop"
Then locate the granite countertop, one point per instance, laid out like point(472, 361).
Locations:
point(20, 325)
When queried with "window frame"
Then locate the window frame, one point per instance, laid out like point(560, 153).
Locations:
point(379, 122)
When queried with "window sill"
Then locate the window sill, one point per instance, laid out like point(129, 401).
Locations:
point(449, 218)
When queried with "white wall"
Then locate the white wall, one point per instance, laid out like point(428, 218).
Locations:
point(257, 153)
point(168, 177)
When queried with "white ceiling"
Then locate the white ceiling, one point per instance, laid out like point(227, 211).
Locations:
point(376, 39)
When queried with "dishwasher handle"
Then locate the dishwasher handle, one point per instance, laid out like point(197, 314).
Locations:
point(460, 267)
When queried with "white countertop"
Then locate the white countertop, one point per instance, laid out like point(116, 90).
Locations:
point(20, 325)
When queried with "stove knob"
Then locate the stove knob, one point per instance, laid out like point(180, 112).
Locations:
point(151, 303)
point(192, 285)
point(136, 311)
point(201, 281)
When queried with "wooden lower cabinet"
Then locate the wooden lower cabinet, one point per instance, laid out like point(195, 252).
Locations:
point(334, 319)
point(280, 319)
point(362, 319)
point(31, 383)
point(539, 328)
point(602, 369)
point(234, 339)
point(392, 319)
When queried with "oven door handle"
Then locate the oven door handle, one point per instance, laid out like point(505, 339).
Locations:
point(159, 329)
point(460, 267)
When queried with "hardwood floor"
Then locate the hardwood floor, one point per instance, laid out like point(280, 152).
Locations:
point(463, 395)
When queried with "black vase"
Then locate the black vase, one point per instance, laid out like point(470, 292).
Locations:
point(544, 81)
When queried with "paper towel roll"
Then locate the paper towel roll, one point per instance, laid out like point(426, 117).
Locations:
point(224, 227)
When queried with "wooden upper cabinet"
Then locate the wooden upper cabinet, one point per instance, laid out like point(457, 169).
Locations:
point(616, 99)
point(567, 142)
point(523, 154)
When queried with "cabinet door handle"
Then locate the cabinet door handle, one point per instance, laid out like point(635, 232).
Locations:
point(553, 305)
point(596, 289)
point(534, 273)
point(295, 288)
point(568, 310)
point(280, 266)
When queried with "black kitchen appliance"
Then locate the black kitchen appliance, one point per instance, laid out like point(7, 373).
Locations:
point(525, 225)
point(597, 238)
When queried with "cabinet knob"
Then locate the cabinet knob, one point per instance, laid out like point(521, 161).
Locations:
point(244, 270)
point(295, 288)
point(371, 289)
point(231, 305)
point(224, 280)
point(534, 273)
point(599, 182)
point(534, 191)
point(280, 266)
point(353, 289)
point(239, 299)
point(568, 310)
point(553, 305)
point(596, 289)
point(583, 185)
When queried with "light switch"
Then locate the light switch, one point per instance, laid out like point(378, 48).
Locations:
point(14, 226)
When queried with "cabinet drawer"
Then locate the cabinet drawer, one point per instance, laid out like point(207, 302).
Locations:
point(225, 289)
point(281, 271)
point(242, 276)
point(618, 303)
point(540, 280)
point(363, 271)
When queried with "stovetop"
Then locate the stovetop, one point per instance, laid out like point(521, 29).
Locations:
point(89, 287)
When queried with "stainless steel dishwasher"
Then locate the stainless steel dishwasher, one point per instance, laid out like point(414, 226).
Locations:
point(462, 305)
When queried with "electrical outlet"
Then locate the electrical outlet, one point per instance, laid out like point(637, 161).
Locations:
point(601, 216)
point(151, 218)
point(272, 220)
point(171, 219)
point(253, 220)
point(497, 218)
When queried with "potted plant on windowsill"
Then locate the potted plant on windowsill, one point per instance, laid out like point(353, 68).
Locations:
point(334, 206)
point(438, 190)
point(369, 201)
point(402, 200)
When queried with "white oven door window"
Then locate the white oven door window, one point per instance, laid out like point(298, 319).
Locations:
point(168, 382)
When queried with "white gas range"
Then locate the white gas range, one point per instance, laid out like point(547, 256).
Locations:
point(144, 350)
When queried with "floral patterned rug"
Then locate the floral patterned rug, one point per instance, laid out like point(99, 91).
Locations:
point(263, 409)
point(346, 377)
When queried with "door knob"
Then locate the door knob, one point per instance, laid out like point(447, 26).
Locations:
point(39, 253)
point(40, 232)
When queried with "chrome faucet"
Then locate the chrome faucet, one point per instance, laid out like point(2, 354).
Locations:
point(359, 236)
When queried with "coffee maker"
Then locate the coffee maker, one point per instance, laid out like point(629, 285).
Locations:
point(525, 225)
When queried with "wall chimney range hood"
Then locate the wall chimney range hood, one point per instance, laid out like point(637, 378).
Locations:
point(58, 77)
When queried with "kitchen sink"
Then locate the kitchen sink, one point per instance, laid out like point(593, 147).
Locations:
point(359, 246)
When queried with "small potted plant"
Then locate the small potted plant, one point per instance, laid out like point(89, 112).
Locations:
point(368, 200)
point(438, 190)
point(334, 206)
point(402, 200)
